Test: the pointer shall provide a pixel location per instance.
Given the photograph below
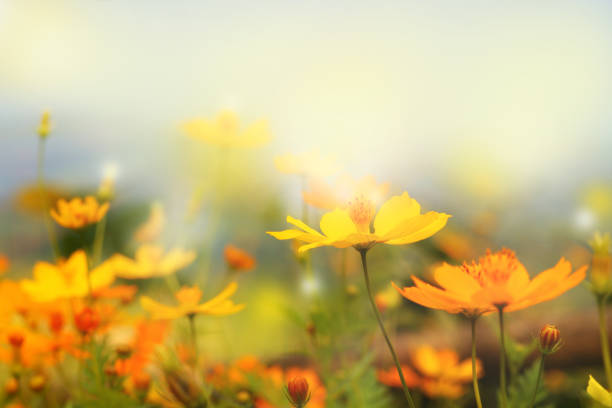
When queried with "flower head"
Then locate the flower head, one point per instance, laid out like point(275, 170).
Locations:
point(78, 213)
point(150, 261)
point(601, 264)
point(297, 392)
point(188, 304)
point(238, 259)
point(398, 221)
point(68, 279)
point(225, 131)
point(549, 339)
point(87, 320)
point(44, 128)
point(498, 280)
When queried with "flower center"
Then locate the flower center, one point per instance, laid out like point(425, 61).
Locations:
point(493, 269)
point(361, 210)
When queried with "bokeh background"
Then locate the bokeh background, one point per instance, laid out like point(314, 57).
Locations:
point(499, 113)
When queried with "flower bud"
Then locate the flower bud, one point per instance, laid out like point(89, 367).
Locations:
point(11, 386)
point(238, 259)
point(87, 320)
point(124, 351)
point(56, 322)
point(16, 338)
point(141, 380)
point(297, 392)
point(550, 339)
point(44, 128)
point(37, 382)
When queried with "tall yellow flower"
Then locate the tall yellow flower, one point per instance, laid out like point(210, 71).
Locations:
point(68, 279)
point(188, 304)
point(398, 222)
point(150, 261)
point(78, 213)
point(225, 131)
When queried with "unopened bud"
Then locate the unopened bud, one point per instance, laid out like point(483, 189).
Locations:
point(124, 350)
point(87, 320)
point(16, 338)
point(37, 382)
point(11, 386)
point(44, 128)
point(298, 393)
point(550, 339)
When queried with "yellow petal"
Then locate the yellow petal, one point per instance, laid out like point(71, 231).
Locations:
point(395, 211)
point(598, 393)
point(337, 224)
point(294, 234)
point(302, 225)
point(418, 228)
point(159, 311)
point(454, 279)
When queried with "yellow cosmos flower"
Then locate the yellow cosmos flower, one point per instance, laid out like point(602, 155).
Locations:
point(151, 262)
point(68, 279)
point(225, 131)
point(599, 393)
point(78, 213)
point(310, 164)
point(188, 304)
point(399, 221)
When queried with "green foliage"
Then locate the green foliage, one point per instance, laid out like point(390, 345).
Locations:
point(522, 388)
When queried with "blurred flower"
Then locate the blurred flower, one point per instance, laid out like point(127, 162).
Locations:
point(147, 337)
point(183, 386)
point(78, 212)
point(225, 131)
point(439, 373)
point(238, 259)
point(387, 298)
point(11, 386)
point(310, 164)
point(399, 221)
point(597, 197)
point(87, 320)
point(151, 262)
point(322, 195)
point(4, 263)
point(498, 280)
point(152, 228)
point(16, 338)
point(37, 382)
point(44, 128)
point(106, 191)
point(601, 264)
point(298, 392)
point(279, 377)
point(68, 279)
point(599, 393)
point(124, 293)
point(188, 299)
point(29, 200)
point(454, 244)
point(549, 339)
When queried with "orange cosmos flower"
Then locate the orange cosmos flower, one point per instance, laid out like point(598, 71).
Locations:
point(150, 261)
point(238, 259)
point(78, 213)
point(497, 281)
point(67, 279)
point(279, 377)
point(188, 299)
point(399, 221)
point(147, 337)
point(124, 293)
point(4, 263)
point(437, 372)
point(225, 131)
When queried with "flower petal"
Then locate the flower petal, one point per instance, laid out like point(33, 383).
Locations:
point(394, 212)
point(337, 224)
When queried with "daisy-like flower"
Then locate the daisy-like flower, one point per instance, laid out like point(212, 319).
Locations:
point(497, 281)
point(150, 261)
point(189, 304)
point(438, 373)
point(225, 131)
point(68, 279)
point(398, 222)
point(78, 213)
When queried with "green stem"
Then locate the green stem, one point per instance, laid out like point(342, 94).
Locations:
point(605, 346)
point(537, 384)
point(474, 373)
point(43, 198)
point(194, 339)
point(382, 328)
point(98, 242)
point(502, 360)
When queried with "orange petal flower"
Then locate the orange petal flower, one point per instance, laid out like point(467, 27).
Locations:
point(498, 280)
point(78, 213)
point(238, 259)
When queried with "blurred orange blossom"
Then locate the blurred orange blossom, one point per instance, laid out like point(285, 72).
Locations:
point(78, 213)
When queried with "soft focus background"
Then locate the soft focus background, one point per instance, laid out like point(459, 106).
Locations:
point(499, 113)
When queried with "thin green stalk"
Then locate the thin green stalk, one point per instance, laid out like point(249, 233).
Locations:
point(537, 384)
point(43, 198)
point(194, 339)
point(603, 331)
point(502, 360)
point(98, 242)
point(474, 373)
point(382, 329)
